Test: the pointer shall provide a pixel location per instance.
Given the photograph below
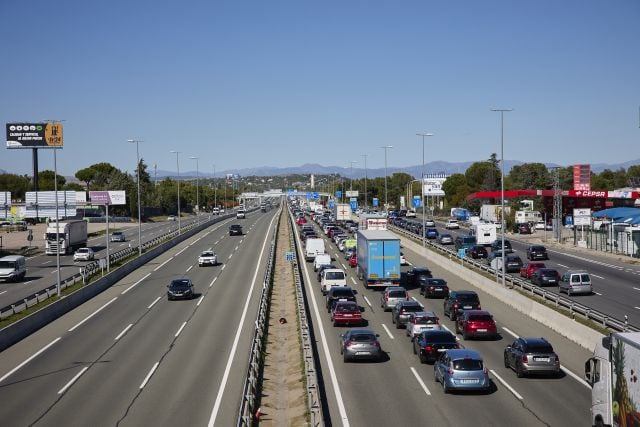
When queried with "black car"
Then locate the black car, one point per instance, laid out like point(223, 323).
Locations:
point(432, 288)
point(535, 252)
point(340, 293)
point(235, 230)
point(180, 289)
point(428, 344)
point(523, 229)
point(512, 264)
point(416, 274)
point(323, 267)
point(545, 277)
point(458, 301)
point(478, 252)
point(400, 312)
point(496, 245)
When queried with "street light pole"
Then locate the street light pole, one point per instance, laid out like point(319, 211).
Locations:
point(365, 180)
point(351, 162)
point(422, 186)
point(55, 188)
point(139, 210)
point(502, 222)
point(386, 201)
point(177, 153)
point(197, 188)
point(215, 188)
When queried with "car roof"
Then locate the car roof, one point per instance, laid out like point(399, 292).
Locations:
point(361, 331)
point(394, 288)
point(340, 288)
point(477, 312)
point(420, 269)
point(180, 281)
point(409, 304)
point(424, 314)
point(533, 340)
point(463, 354)
point(466, 293)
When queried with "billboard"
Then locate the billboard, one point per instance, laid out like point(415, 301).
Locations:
point(432, 184)
point(107, 197)
point(582, 177)
point(5, 204)
point(41, 204)
point(353, 193)
point(34, 135)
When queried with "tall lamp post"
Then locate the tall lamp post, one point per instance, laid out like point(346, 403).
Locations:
point(502, 222)
point(177, 153)
point(215, 188)
point(55, 188)
point(365, 180)
point(138, 179)
point(351, 162)
point(422, 185)
point(196, 158)
point(386, 201)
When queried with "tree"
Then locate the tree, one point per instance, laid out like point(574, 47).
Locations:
point(46, 183)
point(528, 176)
point(86, 175)
point(456, 190)
point(483, 176)
point(16, 184)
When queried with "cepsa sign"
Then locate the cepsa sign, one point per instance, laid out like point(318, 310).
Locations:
point(34, 135)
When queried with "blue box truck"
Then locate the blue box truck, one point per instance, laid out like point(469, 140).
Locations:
point(378, 258)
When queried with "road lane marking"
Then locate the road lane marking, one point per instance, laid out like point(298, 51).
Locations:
point(217, 241)
point(190, 267)
point(135, 284)
point(223, 266)
point(422, 384)
point(387, 330)
point(236, 248)
point(92, 314)
point(213, 281)
point(455, 335)
point(46, 262)
point(162, 265)
point(73, 380)
point(36, 354)
point(575, 377)
point(367, 300)
point(181, 328)
point(637, 289)
point(343, 266)
point(200, 301)
point(148, 377)
point(563, 266)
point(599, 277)
point(510, 332)
point(504, 383)
point(230, 256)
point(4, 292)
point(597, 293)
point(154, 302)
point(123, 332)
point(354, 281)
point(182, 250)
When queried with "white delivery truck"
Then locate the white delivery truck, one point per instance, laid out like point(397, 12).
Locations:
point(491, 213)
point(612, 374)
point(72, 235)
point(485, 233)
point(342, 212)
point(313, 247)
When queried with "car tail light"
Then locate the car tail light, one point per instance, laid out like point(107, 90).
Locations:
point(557, 359)
point(455, 305)
point(486, 372)
point(450, 371)
point(376, 344)
point(428, 348)
point(479, 306)
point(524, 358)
point(386, 297)
point(348, 344)
point(430, 288)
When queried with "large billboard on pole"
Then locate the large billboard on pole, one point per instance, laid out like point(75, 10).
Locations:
point(108, 197)
point(34, 135)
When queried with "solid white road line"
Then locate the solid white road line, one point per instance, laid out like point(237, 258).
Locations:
point(504, 383)
point(73, 380)
point(422, 384)
point(146, 379)
point(367, 301)
point(182, 250)
point(162, 265)
point(234, 346)
point(387, 330)
point(92, 314)
point(181, 328)
point(200, 301)
point(223, 266)
point(124, 331)
point(510, 332)
point(154, 302)
point(135, 284)
point(188, 269)
point(575, 377)
point(36, 354)
point(213, 281)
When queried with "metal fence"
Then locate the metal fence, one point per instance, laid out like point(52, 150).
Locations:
point(605, 320)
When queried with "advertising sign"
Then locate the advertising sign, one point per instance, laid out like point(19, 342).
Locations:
point(42, 204)
point(582, 177)
point(338, 194)
point(331, 204)
point(582, 217)
point(34, 135)
point(353, 193)
point(107, 197)
point(432, 184)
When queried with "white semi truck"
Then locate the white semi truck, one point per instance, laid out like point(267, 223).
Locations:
point(73, 234)
point(612, 373)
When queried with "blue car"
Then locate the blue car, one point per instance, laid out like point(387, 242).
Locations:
point(432, 233)
point(461, 369)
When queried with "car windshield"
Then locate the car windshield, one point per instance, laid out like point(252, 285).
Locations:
point(7, 264)
point(548, 273)
point(207, 253)
point(467, 365)
point(480, 318)
point(363, 337)
point(83, 251)
point(334, 275)
point(347, 307)
point(539, 348)
point(468, 240)
point(340, 293)
point(179, 283)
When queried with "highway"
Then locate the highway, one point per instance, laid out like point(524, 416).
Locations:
point(402, 391)
point(130, 357)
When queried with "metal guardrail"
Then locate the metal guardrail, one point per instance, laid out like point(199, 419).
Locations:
point(587, 312)
point(247, 410)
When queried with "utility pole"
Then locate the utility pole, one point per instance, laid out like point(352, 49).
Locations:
point(365, 181)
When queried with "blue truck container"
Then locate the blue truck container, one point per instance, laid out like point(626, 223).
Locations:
point(378, 258)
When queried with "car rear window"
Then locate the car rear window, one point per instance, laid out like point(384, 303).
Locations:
point(441, 337)
point(467, 297)
point(467, 365)
point(397, 294)
point(548, 273)
point(480, 318)
point(334, 275)
point(411, 308)
point(585, 277)
point(539, 348)
point(339, 293)
point(426, 320)
point(363, 338)
point(438, 282)
point(347, 307)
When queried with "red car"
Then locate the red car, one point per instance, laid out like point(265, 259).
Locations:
point(353, 260)
point(476, 323)
point(529, 268)
point(346, 313)
point(301, 221)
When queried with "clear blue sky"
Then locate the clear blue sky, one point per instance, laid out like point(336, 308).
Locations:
point(283, 83)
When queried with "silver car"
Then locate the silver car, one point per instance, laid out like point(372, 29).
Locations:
point(393, 295)
point(461, 370)
point(422, 321)
point(360, 344)
point(531, 355)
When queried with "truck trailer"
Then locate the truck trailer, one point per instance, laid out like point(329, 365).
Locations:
point(485, 233)
point(72, 235)
point(342, 212)
point(491, 213)
point(378, 258)
point(611, 373)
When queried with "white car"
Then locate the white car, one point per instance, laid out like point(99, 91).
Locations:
point(422, 321)
point(83, 254)
point(411, 213)
point(452, 224)
point(403, 260)
point(171, 218)
point(429, 223)
point(207, 258)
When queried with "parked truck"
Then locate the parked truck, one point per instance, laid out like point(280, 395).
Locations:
point(491, 213)
point(612, 374)
point(378, 257)
point(484, 232)
point(73, 235)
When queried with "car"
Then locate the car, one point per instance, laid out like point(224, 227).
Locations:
point(401, 311)
point(540, 225)
point(431, 233)
point(429, 223)
point(403, 260)
point(208, 257)
point(430, 343)
point(320, 260)
point(13, 268)
point(83, 254)
point(180, 289)
point(346, 313)
point(445, 239)
point(361, 343)
point(332, 277)
point(391, 296)
point(171, 218)
point(235, 230)
point(452, 224)
point(241, 213)
point(416, 274)
point(496, 245)
point(545, 277)
point(458, 301)
point(215, 211)
point(411, 213)
point(422, 321)
point(117, 236)
point(465, 242)
point(575, 282)
point(535, 252)
point(531, 356)
point(348, 252)
point(476, 324)
point(301, 221)
point(340, 293)
point(478, 252)
point(512, 264)
point(528, 268)
point(523, 229)
point(353, 261)
point(434, 288)
point(461, 369)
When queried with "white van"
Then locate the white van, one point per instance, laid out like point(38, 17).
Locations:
point(332, 277)
point(313, 247)
point(321, 259)
point(13, 267)
point(240, 214)
point(575, 282)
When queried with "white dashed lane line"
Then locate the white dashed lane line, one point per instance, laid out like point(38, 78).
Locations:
point(387, 330)
point(367, 301)
point(504, 383)
point(354, 281)
point(73, 380)
point(154, 302)
point(148, 377)
point(121, 334)
point(599, 277)
point(422, 384)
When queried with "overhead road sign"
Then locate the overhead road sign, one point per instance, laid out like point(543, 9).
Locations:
point(351, 193)
point(34, 135)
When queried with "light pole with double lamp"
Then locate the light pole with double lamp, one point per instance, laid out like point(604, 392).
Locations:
point(365, 181)
point(197, 188)
point(177, 153)
point(215, 188)
point(136, 141)
point(502, 222)
point(386, 201)
point(422, 185)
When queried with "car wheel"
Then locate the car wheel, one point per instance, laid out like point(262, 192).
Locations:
point(335, 323)
point(393, 320)
point(464, 334)
point(414, 348)
point(519, 371)
point(435, 375)
point(506, 362)
point(398, 325)
point(451, 315)
point(346, 358)
point(406, 331)
point(444, 387)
